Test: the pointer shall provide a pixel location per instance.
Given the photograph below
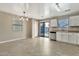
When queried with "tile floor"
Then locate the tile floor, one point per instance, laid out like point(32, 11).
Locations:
point(38, 47)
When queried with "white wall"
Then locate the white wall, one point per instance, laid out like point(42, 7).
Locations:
point(6, 32)
point(29, 28)
point(34, 28)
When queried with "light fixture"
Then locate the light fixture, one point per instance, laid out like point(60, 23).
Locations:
point(57, 7)
point(62, 7)
point(25, 13)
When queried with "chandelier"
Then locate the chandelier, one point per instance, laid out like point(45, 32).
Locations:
point(25, 13)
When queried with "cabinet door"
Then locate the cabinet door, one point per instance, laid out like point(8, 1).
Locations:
point(71, 22)
point(53, 23)
point(64, 36)
point(74, 21)
point(68, 37)
point(72, 38)
point(77, 39)
point(58, 36)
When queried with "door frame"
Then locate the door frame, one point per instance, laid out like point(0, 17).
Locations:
point(39, 29)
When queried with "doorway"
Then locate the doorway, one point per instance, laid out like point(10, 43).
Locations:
point(43, 29)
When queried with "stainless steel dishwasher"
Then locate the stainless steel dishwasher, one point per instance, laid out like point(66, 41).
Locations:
point(52, 36)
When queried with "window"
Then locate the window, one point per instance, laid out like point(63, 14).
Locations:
point(17, 25)
point(64, 22)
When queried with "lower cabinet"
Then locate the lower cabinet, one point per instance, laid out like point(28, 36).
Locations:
point(68, 37)
point(64, 37)
point(58, 36)
point(72, 38)
point(77, 38)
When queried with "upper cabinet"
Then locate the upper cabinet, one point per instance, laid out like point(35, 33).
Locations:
point(74, 21)
point(53, 23)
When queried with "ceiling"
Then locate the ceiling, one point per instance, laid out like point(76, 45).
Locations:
point(39, 10)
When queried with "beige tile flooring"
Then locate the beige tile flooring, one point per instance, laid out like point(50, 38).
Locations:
point(38, 47)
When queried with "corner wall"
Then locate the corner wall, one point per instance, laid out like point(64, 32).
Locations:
point(6, 32)
point(34, 28)
point(29, 28)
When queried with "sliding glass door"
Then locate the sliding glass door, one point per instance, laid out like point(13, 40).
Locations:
point(43, 29)
point(46, 29)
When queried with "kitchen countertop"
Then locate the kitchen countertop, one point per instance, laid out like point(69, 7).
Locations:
point(54, 29)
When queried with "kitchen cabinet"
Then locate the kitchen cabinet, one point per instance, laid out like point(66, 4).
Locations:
point(62, 36)
point(53, 23)
point(74, 21)
point(72, 38)
point(77, 38)
point(58, 36)
point(69, 37)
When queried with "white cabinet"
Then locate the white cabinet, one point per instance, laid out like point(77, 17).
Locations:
point(74, 21)
point(77, 38)
point(68, 37)
point(58, 36)
point(53, 23)
point(72, 38)
point(62, 36)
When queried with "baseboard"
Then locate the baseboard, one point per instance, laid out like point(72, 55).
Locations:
point(11, 40)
